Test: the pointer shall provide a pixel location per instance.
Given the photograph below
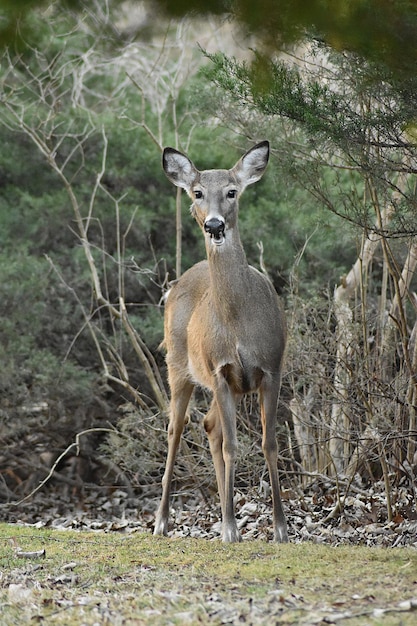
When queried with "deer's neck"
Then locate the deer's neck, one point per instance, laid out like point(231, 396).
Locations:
point(229, 277)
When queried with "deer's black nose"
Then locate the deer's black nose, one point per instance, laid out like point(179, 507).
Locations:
point(215, 227)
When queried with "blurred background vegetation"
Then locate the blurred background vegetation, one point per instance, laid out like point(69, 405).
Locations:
point(89, 95)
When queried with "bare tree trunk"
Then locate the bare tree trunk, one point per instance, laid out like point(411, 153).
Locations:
point(405, 423)
point(412, 401)
point(339, 442)
point(304, 433)
point(405, 279)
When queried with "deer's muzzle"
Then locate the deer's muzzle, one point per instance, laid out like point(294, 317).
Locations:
point(215, 227)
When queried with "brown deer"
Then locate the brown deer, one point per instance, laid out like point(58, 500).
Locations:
point(225, 331)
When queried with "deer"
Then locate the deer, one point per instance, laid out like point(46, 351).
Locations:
point(224, 331)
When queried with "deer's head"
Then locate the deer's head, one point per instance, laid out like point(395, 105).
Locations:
point(215, 193)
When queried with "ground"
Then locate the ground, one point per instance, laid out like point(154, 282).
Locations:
point(91, 558)
point(124, 577)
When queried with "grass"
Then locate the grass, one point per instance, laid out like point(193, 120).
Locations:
point(132, 579)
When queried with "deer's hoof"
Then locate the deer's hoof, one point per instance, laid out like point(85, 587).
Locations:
point(281, 534)
point(231, 535)
point(161, 528)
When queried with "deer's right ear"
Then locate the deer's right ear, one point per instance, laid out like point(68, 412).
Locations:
point(179, 169)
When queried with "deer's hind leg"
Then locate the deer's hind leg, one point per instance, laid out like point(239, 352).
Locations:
point(268, 396)
point(181, 390)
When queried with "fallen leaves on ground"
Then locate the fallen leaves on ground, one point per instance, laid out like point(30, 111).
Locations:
point(315, 514)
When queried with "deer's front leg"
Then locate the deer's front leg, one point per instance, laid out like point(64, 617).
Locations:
point(227, 410)
point(181, 393)
point(213, 428)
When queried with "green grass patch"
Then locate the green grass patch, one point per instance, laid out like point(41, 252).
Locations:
point(109, 578)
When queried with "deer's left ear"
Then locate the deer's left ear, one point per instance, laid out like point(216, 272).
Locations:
point(250, 168)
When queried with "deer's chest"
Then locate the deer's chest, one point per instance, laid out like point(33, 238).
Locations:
point(214, 349)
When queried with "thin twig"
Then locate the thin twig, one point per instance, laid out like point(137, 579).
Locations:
point(76, 445)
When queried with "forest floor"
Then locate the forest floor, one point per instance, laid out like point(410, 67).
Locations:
point(132, 578)
point(67, 559)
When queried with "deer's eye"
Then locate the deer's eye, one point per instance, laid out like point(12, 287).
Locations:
point(198, 194)
point(232, 193)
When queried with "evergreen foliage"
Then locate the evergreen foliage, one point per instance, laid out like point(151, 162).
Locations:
point(382, 32)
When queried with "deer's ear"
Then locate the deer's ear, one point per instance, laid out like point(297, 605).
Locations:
point(179, 169)
point(250, 168)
